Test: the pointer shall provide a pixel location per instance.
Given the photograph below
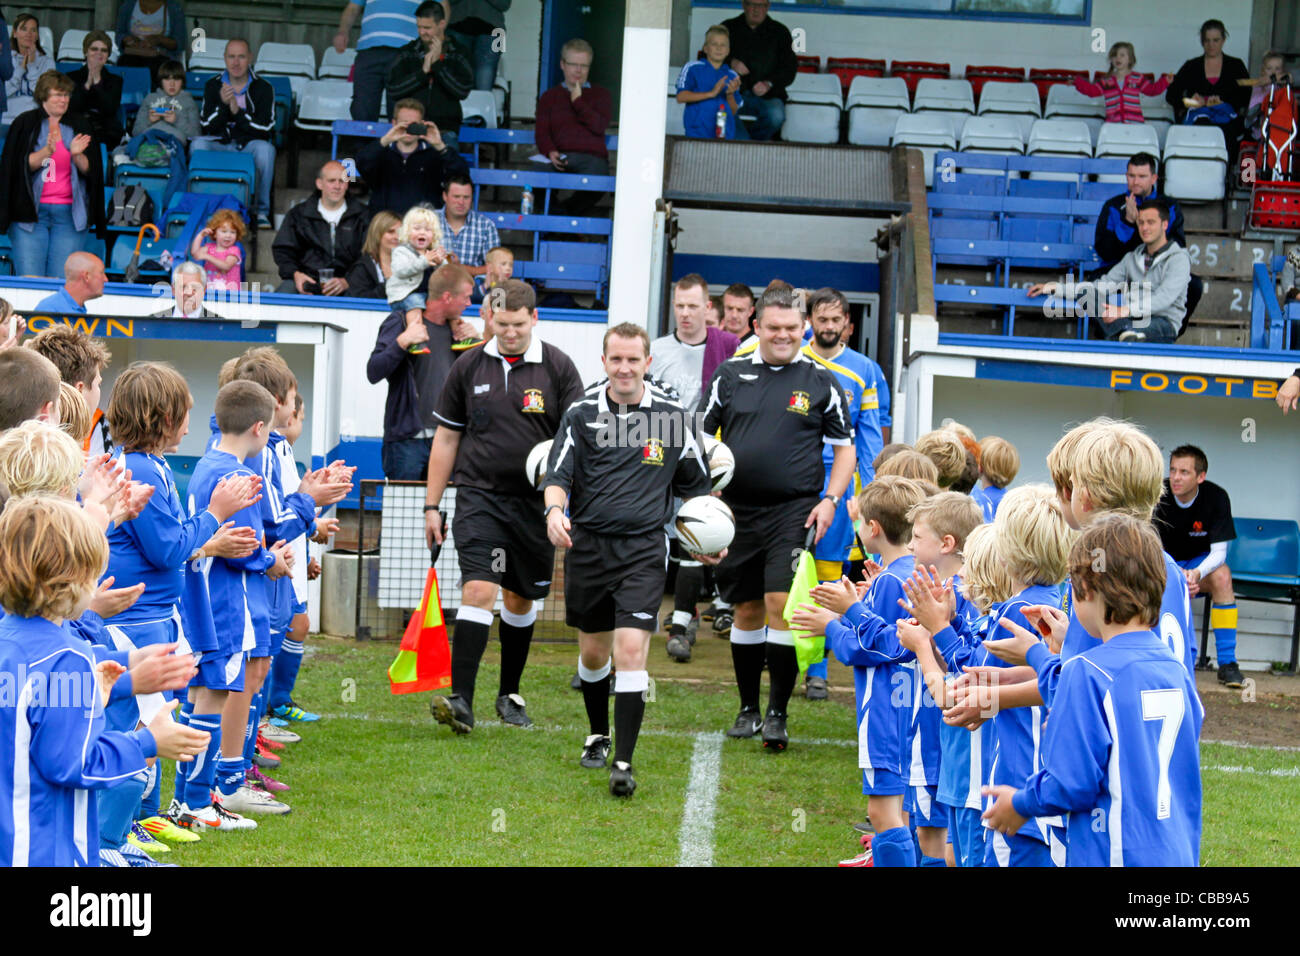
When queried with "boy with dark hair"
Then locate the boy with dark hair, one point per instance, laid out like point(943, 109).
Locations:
point(29, 388)
point(81, 361)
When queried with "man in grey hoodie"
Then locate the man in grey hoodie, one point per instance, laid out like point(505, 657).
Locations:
point(1153, 279)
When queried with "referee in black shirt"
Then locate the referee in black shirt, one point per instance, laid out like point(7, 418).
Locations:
point(499, 401)
point(618, 460)
point(775, 409)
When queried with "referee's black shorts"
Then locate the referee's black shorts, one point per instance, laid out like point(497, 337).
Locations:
point(502, 539)
point(614, 580)
point(762, 557)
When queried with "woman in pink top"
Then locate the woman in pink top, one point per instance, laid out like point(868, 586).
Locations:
point(1122, 87)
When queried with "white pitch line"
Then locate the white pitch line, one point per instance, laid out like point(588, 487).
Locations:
point(1242, 743)
point(1269, 772)
point(696, 834)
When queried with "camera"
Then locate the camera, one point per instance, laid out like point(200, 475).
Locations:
point(417, 129)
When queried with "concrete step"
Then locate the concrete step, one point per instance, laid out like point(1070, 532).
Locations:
point(1213, 336)
point(1221, 256)
point(1225, 300)
point(1211, 215)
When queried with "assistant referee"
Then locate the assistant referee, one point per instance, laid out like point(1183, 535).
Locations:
point(499, 401)
point(775, 409)
point(619, 458)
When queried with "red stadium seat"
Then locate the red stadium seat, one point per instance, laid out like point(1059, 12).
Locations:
point(913, 71)
point(1045, 79)
point(979, 75)
point(810, 64)
point(1275, 206)
point(847, 67)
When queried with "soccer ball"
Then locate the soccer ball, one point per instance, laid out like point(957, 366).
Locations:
point(705, 525)
point(535, 465)
point(722, 463)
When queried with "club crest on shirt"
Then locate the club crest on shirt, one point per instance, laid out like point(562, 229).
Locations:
point(1197, 529)
point(533, 401)
point(653, 452)
point(799, 402)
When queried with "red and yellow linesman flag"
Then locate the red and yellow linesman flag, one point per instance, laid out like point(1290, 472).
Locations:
point(424, 661)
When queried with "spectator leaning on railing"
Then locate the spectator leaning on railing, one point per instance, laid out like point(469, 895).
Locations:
point(408, 164)
point(433, 69)
point(1153, 279)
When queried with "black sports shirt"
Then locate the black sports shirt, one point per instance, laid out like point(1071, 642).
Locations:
point(1188, 532)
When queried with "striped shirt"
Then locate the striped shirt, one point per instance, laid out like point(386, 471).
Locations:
point(1123, 103)
point(476, 237)
point(386, 23)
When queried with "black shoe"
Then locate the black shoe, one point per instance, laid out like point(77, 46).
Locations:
point(595, 752)
point(1231, 675)
point(267, 762)
point(452, 711)
point(621, 782)
point(576, 683)
point(679, 647)
point(708, 613)
point(864, 827)
point(814, 688)
point(774, 736)
point(748, 723)
point(510, 708)
point(722, 622)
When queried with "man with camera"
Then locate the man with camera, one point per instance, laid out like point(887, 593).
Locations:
point(409, 163)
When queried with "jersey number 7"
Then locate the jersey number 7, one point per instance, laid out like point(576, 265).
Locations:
point(1168, 707)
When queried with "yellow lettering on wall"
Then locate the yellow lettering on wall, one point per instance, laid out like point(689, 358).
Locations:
point(1228, 383)
point(1263, 388)
point(115, 327)
point(1150, 377)
point(1120, 376)
point(1185, 384)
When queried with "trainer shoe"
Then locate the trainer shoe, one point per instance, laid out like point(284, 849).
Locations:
point(261, 781)
point(277, 735)
point(748, 723)
point(278, 722)
point(621, 782)
point(142, 839)
point(135, 856)
point(862, 859)
point(452, 711)
point(775, 737)
point(576, 683)
point(460, 345)
point(1128, 335)
point(679, 645)
point(248, 800)
point(510, 708)
point(264, 760)
point(814, 688)
point(292, 711)
point(708, 613)
point(1231, 675)
point(266, 744)
point(215, 817)
point(595, 752)
point(722, 622)
point(864, 827)
point(162, 828)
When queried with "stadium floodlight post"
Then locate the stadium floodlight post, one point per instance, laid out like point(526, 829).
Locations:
point(646, 34)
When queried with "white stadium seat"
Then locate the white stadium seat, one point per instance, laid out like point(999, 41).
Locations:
point(1122, 140)
point(1018, 100)
point(992, 134)
point(948, 96)
point(812, 112)
point(297, 61)
point(336, 65)
point(1158, 113)
point(1059, 137)
point(211, 59)
point(1065, 102)
point(45, 37)
point(874, 105)
point(928, 132)
point(1196, 163)
point(480, 103)
point(323, 102)
point(676, 111)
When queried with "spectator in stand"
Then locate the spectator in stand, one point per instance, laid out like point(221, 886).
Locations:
point(708, 87)
point(52, 194)
point(1272, 70)
point(386, 26)
point(238, 116)
point(433, 69)
point(1122, 87)
point(1153, 279)
point(151, 33)
point(97, 92)
point(1117, 223)
point(405, 168)
point(28, 62)
point(1210, 81)
point(479, 27)
point(6, 63)
point(571, 122)
point(500, 267)
point(367, 279)
point(169, 108)
point(415, 379)
point(762, 52)
point(738, 310)
point(189, 285)
point(1290, 291)
point(466, 234)
point(84, 278)
point(321, 237)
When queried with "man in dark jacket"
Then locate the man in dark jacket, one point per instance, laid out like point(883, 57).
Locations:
point(762, 52)
point(415, 379)
point(238, 115)
point(323, 232)
point(433, 70)
point(405, 168)
point(1117, 233)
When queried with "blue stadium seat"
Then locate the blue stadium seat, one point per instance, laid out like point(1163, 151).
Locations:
point(195, 81)
point(283, 106)
point(1265, 563)
point(1041, 189)
point(124, 248)
point(223, 173)
point(1099, 191)
point(136, 85)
